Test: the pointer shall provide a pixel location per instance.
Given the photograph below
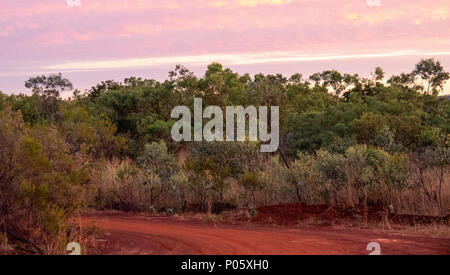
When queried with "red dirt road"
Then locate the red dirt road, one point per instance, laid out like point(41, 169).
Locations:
point(165, 235)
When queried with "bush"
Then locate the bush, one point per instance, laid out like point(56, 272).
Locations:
point(40, 186)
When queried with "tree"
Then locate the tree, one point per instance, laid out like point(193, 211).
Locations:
point(199, 179)
point(157, 166)
point(49, 88)
point(252, 182)
point(184, 84)
point(95, 135)
point(2, 100)
point(334, 79)
point(102, 87)
point(438, 160)
point(332, 171)
point(432, 73)
point(402, 80)
point(29, 107)
point(214, 164)
point(378, 74)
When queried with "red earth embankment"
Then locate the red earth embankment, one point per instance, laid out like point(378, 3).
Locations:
point(293, 213)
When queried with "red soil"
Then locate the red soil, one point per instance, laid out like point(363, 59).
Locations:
point(123, 234)
point(294, 213)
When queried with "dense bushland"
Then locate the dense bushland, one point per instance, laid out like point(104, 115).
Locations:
point(345, 140)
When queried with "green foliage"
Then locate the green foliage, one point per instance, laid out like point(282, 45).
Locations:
point(49, 89)
point(157, 166)
point(29, 106)
point(252, 182)
point(332, 169)
point(432, 73)
point(237, 157)
point(41, 185)
point(348, 139)
point(95, 135)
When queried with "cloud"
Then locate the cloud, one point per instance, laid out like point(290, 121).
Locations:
point(254, 3)
point(38, 35)
point(230, 59)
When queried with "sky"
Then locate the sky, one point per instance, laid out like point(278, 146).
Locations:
point(113, 39)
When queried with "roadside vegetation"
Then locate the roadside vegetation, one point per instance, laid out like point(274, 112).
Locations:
point(345, 140)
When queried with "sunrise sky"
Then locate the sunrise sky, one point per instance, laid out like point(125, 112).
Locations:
point(114, 39)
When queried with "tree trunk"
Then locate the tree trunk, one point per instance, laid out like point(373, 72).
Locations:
point(299, 196)
point(209, 203)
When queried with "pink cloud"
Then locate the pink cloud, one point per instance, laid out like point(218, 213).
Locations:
point(37, 34)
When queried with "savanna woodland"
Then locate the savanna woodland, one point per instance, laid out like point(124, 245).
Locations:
point(345, 140)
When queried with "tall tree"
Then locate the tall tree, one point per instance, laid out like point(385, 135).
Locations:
point(49, 88)
point(432, 73)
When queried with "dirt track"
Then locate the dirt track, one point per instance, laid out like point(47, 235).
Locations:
point(164, 235)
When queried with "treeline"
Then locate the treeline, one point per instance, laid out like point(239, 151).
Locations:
point(345, 140)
